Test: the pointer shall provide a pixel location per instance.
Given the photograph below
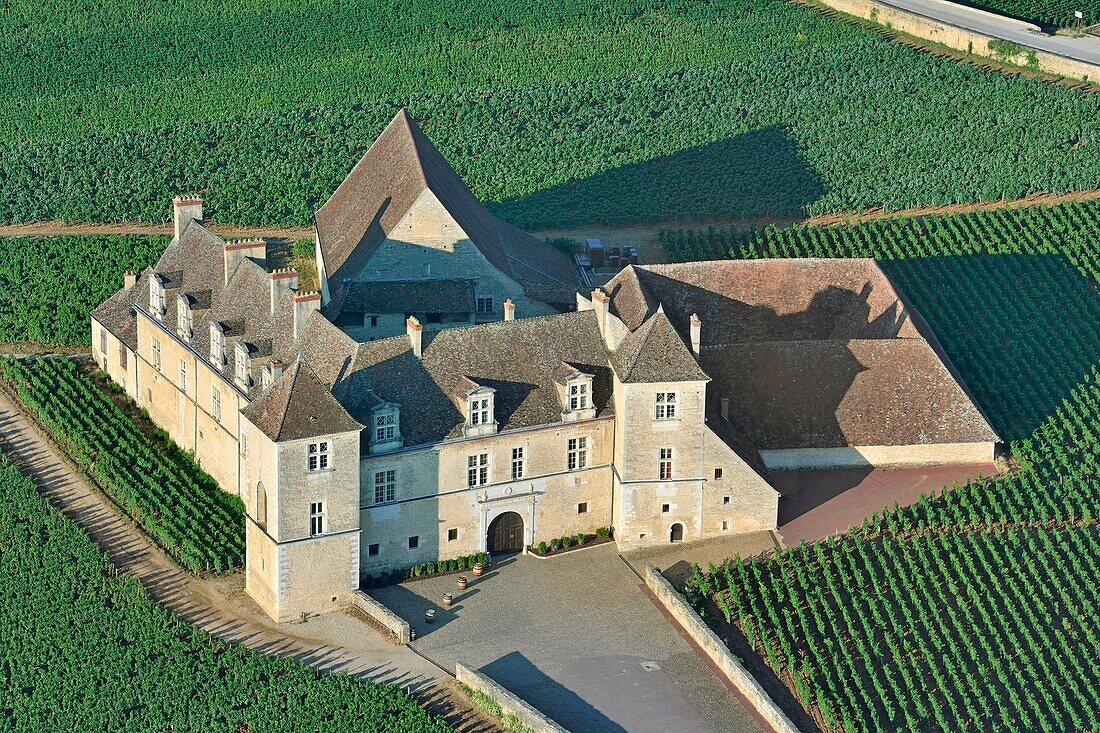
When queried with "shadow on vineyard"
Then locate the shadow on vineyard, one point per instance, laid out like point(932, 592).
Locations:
point(1023, 330)
point(754, 175)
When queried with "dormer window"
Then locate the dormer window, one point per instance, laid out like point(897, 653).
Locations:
point(156, 296)
point(241, 363)
point(480, 411)
point(266, 377)
point(575, 391)
point(385, 428)
point(184, 320)
point(217, 345)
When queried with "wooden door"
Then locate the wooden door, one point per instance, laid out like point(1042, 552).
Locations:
point(506, 533)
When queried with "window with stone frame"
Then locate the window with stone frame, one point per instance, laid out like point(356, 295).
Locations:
point(156, 297)
point(477, 470)
point(157, 364)
point(577, 453)
point(579, 394)
point(518, 460)
point(216, 403)
point(217, 346)
point(481, 410)
point(664, 464)
point(184, 322)
point(183, 375)
point(385, 486)
point(317, 456)
point(385, 426)
point(122, 356)
point(485, 304)
point(103, 342)
point(665, 407)
point(316, 518)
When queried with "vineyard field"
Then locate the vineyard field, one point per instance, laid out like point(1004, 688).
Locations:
point(49, 285)
point(974, 608)
point(82, 647)
point(557, 113)
point(164, 491)
point(1011, 294)
point(1047, 13)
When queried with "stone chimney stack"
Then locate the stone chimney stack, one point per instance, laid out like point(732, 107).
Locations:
point(282, 282)
point(416, 335)
point(253, 249)
point(304, 305)
point(276, 371)
point(724, 403)
point(185, 209)
point(129, 279)
point(600, 304)
point(509, 310)
point(696, 334)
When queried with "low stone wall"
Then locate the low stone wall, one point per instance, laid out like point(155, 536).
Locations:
point(961, 39)
point(879, 456)
point(397, 625)
point(509, 703)
point(718, 653)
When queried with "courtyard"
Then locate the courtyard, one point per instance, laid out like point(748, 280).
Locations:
point(577, 637)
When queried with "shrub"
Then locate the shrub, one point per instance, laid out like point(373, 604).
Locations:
point(543, 548)
point(603, 533)
point(555, 545)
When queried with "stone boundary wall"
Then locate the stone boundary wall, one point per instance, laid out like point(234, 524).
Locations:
point(718, 653)
point(509, 703)
point(962, 39)
point(398, 626)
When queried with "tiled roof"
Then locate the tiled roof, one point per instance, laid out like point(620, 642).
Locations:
point(831, 394)
point(655, 353)
point(404, 296)
point(519, 359)
point(299, 406)
point(546, 274)
point(400, 165)
point(115, 315)
point(770, 300)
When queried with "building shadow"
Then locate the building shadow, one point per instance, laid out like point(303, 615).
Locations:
point(515, 672)
point(1022, 330)
point(756, 174)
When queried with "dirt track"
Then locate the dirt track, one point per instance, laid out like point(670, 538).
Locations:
point(645, 236)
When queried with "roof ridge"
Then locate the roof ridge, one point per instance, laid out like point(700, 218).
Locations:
point(649, 324)
point(293, 373)
point(412, 129)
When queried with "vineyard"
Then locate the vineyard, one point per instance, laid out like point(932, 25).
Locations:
point(1019, 316)
point(1049, 13)
point(558, 113)
point(163, 490)
point(84, 648)
point(49, 285)
point(975, 608)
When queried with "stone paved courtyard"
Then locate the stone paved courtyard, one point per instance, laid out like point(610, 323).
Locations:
point(570, 635)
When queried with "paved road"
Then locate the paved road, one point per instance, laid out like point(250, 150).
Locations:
point(334, 643)
point(1082, 49)
point(570, 635)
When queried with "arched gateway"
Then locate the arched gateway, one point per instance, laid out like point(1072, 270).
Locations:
point(505, 533)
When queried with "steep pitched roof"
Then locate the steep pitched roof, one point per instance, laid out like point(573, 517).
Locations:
point(400, 165)
point(404, 296)
point(655, 353)
point(630, 300)
point(115, 315)
point(299, 406)
point(546, 274)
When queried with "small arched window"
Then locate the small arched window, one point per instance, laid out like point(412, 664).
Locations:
point(261, 505)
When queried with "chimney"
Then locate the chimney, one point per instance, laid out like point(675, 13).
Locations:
point(276, 370)
point(282, 282)
point(304, 305)
point(185, 209)
point(724, 403)
point(253, 249)
point(416, 334)
point(600, 303)
point(129, 279)
point(509, 310)
point(696, 332)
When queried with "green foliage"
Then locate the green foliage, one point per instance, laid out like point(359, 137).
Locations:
point(580, 539)
point(82, 647)
point(543, 548)
point(958, 611)
point(164, 491)
point(440, 567)
point(49, 285)
point(305, 248)
point(1053, 13)
point(563, 113)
